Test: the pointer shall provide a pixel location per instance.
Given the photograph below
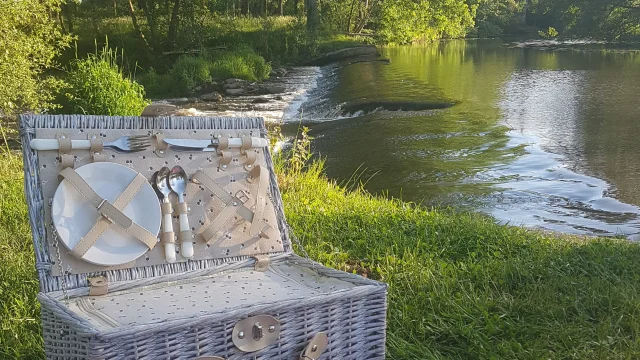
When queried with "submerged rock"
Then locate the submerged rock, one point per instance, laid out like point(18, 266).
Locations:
point(235, 91)
point(278, 72)
point(358, 51)
point(369, 106)
point(212, 97)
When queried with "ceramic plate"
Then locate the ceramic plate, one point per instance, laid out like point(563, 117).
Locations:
point(73, 216)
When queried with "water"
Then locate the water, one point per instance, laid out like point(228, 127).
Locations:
point(540, 138)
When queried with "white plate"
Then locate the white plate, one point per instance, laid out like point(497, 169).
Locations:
point(73, 216)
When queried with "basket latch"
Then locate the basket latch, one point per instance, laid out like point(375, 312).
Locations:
point(316, 346)
point(262, 263)
point(98, 286)
point(256, 333)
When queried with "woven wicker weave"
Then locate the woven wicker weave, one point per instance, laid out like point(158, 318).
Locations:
point(352, 316)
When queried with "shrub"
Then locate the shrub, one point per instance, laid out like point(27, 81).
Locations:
point(97, 85)
point(187, 73)
point(242, 64)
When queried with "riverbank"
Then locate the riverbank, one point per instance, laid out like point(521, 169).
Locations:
point(461, 286)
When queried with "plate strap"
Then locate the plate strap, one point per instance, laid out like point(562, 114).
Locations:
point(234, 205)
point(109, 214)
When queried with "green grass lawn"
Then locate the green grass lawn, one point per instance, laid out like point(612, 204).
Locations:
point(461, 286)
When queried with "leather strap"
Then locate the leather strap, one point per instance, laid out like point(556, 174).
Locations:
point(166, 208)
point(262, 176)
point(66, 161)
point(180, 208)
point(64, 148)
point(225, 157)
point(223, 143)
point(234, 205)
point(96, 148)
point(64, 144)
point(251, 158)
point(246, 144)
point(185, 236)
point(110, 214)
point(168, 237)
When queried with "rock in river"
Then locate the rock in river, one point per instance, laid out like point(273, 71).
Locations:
point(212, 97)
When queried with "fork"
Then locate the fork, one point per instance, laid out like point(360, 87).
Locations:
point(124, 144)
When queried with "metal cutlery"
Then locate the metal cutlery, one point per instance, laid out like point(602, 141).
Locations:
point(122, 144)
point(209, 145)
point(178, 183)
point(162, 186)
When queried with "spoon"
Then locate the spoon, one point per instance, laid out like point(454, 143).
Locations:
point(162, 186)
point(178, 183)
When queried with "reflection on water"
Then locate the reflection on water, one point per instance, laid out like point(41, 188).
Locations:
point(539, 138)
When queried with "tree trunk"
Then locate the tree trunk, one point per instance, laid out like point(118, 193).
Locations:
point(312, 16)
point(67, 9)
point(173, 25)
point(136, 27)
point(353, 4)
point(281, 7)
point(526, 11)
point(296, 11)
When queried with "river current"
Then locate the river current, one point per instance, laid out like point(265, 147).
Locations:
point(541, 137)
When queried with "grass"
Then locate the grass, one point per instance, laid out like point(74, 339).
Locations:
point(461, 286)
point(20, 335)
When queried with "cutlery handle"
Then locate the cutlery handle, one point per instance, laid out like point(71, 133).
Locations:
point(186, 247)
point(52, 144)
point(256, 142)
point(169, 248)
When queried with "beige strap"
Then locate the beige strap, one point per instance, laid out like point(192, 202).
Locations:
point(99, 157)
point(168, 237)
point(181, 208)
point(64, 148)
point(223, 143)
point(110, 214)
point(96, 148)
point(98, 286)
point(251, 158)
point(316, 346)
point(67, 161)
point(185, 236)
point(166, 208)
point(64, 144)
point(262, 175)
point(225, 158)
point(262, 263)
point(96, 144)
point(234, 204)
point(204, 179)
point(213, 231)
point(246, 144)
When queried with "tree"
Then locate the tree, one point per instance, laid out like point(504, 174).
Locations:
point(30, 39)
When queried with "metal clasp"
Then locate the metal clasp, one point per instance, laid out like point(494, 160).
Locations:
point(242, 196)
point(249, 335)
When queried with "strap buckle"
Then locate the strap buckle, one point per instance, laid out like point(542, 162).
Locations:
point(113, 215)
point(243, 196)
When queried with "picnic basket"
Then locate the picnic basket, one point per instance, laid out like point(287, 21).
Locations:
point(243, 295)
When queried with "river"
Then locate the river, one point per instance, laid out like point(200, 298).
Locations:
point(536, 137)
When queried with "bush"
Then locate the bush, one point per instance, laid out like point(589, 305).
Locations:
point(190, 71)
point(97, 85)
point(242, 64)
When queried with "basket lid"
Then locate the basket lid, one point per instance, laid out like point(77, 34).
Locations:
point(232, 202)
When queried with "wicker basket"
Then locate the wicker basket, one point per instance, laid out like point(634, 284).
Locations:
point(192, 309)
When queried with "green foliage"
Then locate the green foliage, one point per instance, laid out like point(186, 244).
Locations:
point(406, 21)
point(97, 85)
point(29, 42)
point(189, 72)
point(549, 34)
point(20, 334)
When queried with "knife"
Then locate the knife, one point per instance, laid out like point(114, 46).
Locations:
point(212, 143)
